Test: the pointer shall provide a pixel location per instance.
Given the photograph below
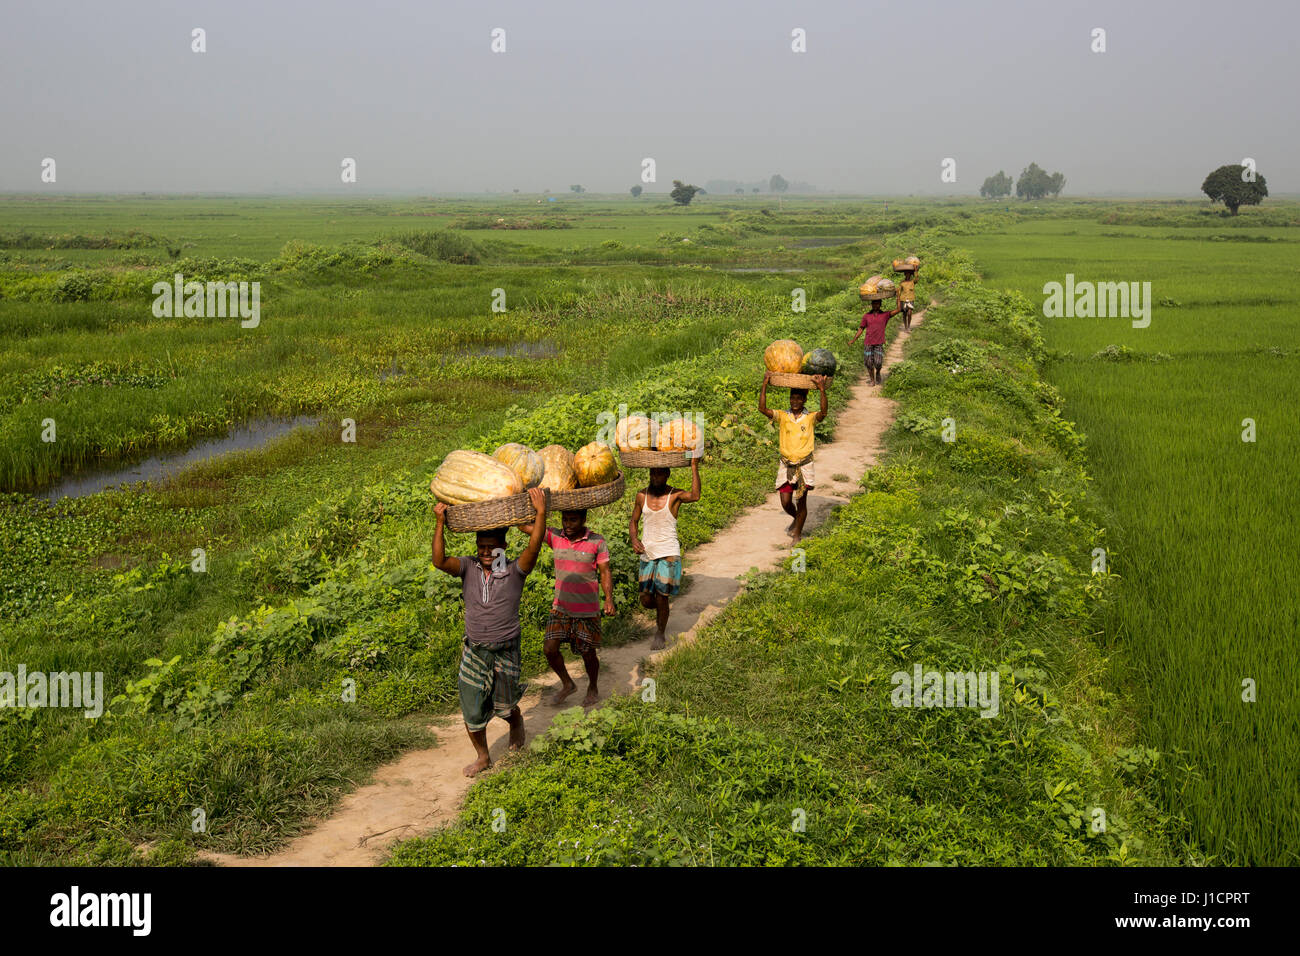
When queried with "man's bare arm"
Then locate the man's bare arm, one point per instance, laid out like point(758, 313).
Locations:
point(528, 559)
point(762, 396)
point(633, 525)
point(440, 560)
point(607, 584)
point(694, 494)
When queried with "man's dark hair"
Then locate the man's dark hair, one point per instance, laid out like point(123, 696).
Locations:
point(495, 534)
point(580, 512)
point(799, 391)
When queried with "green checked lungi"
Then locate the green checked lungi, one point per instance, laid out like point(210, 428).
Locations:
point(489, 682)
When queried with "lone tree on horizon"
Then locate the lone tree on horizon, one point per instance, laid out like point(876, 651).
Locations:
point(1235, 186)
point(683, 194)
point(635, 191)
point(777, 184)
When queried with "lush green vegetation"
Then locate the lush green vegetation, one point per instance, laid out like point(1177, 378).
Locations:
point(1204, 519)
point(317, 550)
point(226, 685)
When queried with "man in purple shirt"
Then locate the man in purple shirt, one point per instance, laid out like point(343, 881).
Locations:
point(489, 663)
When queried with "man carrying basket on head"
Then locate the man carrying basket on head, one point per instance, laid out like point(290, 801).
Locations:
point(907, 297)
point(794, 469)
point(659, 572)
point(491, 586)
point(581, 571)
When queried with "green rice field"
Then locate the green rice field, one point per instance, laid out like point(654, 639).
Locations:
point(1204, 520)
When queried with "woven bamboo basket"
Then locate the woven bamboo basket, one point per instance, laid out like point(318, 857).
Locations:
point(495, 513)
point(654, 459)
point(792, 380)
point(877, 296)
point(597, 496)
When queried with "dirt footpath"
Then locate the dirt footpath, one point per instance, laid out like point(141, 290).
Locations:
point(424, 788)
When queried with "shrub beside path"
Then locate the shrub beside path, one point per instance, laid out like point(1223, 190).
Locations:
point(423, 789)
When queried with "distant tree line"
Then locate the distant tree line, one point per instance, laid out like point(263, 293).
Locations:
point(682, 193)
point(757, 186)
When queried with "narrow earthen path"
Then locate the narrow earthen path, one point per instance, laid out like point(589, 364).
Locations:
point(423, 789)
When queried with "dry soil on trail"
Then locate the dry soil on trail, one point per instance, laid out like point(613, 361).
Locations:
point(423, 789)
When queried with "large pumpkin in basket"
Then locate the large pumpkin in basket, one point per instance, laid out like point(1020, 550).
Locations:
point(783, 355)
point(680, 434)
point(636, 433)
point(594, 464)
point(558, 463)
point(521, 459)
point(465, 477)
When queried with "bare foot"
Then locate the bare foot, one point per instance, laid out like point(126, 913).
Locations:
point(565, 690)
point(795, 539)
point(478, 766)
point(658, 642)
point(593, 695)
point(517, 736)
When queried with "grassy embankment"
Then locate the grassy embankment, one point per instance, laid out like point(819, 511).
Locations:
point(774, 739)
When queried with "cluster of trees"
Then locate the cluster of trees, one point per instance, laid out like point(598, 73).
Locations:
point(995, 187)
point(1034, 183)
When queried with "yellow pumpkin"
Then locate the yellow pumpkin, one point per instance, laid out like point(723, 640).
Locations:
point(783, 355)
point(523, 461)
point(635, 433)
point(594, 464)
point(680, 434)
point(465, 477)
point(913, 262)
point(558, 463)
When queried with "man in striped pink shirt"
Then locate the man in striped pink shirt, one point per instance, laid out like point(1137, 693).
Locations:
point(581, 571)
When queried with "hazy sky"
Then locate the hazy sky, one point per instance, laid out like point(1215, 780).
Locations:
point(584, 91)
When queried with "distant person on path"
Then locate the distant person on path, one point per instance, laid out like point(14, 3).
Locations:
point(489, 662)
point(581, 573)
point(907, 297)
point(660, 572)
point(794, 469)
point(873, 351)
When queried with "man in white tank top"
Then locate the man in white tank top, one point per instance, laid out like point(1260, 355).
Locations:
point(660, 572)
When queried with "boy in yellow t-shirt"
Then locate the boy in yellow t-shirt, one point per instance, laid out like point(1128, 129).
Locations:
point(907, 298)
point(794, 470)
